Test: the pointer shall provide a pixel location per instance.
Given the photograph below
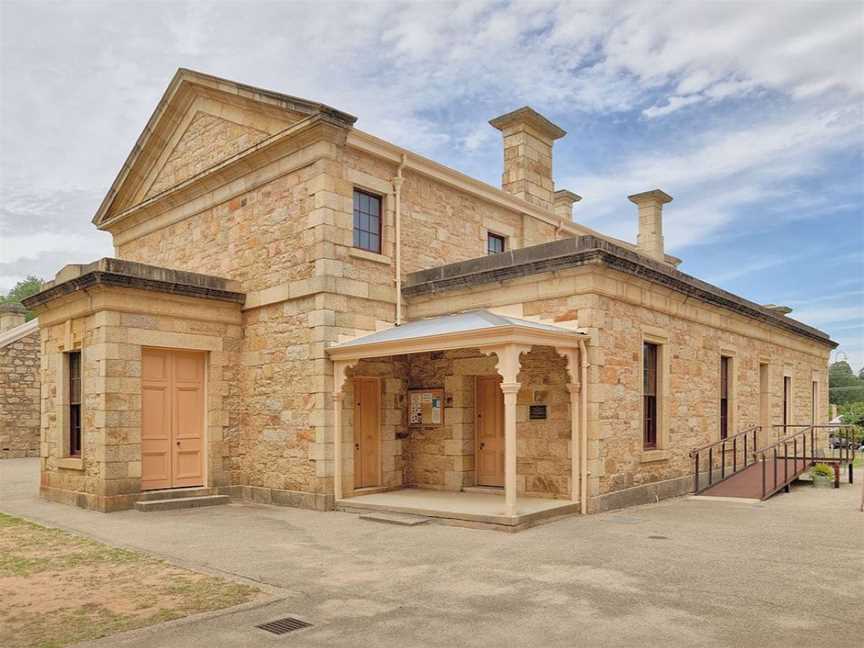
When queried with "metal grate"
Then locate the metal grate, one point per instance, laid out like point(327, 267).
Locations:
point(284, 626)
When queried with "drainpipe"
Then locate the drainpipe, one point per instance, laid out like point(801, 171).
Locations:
point(397, 195)
point(583, 429)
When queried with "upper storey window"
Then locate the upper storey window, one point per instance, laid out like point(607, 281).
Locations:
point(495, 243)
point(367, 221)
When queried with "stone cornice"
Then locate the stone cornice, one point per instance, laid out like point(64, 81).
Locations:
point(127, 274)
point(583, 250)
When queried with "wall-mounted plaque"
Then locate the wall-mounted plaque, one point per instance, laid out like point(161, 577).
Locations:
point(536, 412)
point(425, 407)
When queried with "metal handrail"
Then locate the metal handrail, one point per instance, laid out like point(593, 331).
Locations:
point(761, 457)
point(749, 430)
point(723, 443)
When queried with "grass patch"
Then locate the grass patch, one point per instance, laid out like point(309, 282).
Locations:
point(58, 588)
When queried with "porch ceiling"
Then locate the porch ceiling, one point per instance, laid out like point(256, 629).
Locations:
point(478, 328)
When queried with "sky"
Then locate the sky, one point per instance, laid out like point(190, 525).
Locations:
point(751, 115)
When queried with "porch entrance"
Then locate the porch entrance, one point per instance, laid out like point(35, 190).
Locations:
point(172, 419)
point(367, 432)
point(489, 424)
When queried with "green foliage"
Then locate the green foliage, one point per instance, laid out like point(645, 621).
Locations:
point(853, 414)
point(844, 387)
point(22, 290)
point(822, 470)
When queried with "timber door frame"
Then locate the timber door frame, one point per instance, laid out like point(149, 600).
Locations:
point(497, 378)
point(355, 427)
point(205, 420)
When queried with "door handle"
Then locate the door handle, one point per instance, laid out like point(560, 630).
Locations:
point(356, 446)
point(178, 443)
point(482, 445)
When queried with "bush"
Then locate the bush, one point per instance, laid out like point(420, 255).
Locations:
point(822, 470)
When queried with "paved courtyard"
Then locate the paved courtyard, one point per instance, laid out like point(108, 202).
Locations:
point(684, 572)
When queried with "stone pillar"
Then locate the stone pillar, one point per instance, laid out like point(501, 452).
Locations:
point(650, 240)
point(11, 315)
point(511, 391)
point(563, 204)
point(528, 138)
point(339, 369)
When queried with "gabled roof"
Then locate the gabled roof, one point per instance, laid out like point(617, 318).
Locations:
point(183, 89)
point(477, 328)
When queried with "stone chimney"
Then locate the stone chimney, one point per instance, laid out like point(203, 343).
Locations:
point(563, 202)
point(778, 309)
point(528, 138)
point(11, 315)
point(650, 240)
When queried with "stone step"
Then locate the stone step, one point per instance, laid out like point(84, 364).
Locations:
point(181, 503)
point(174, 493)
point(402, 519)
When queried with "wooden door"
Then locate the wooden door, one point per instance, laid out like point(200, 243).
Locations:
point(489, 427)
point(172, 419)
point(367, 435)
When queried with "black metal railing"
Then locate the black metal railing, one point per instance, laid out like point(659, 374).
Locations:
point(722, 449)
point(781, 473)
point(837, 442)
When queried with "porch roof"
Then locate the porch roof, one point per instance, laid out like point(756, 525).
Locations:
point(477, 328)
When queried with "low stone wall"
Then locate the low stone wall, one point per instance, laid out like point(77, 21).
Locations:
point(19, 397)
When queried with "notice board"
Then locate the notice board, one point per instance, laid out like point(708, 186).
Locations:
point(425, 407)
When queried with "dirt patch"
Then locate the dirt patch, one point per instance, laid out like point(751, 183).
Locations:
point(58, 588)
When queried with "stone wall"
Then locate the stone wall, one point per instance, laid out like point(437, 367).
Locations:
point(619, 312)
point(107, 475)
point(208, 140)
point(19, 397)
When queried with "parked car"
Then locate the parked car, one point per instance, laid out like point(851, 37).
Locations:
point(839, 442)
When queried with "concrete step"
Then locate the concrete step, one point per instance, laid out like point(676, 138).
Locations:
point(174, 493)
point(181, 503)
point(401, 519)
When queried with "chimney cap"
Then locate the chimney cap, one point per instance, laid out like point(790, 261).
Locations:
point(564, 194)
point(13, 307)
point(647, 197)
point(780, 310)
point(529, 116)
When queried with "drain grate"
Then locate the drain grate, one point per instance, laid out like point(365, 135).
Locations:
point(284, 626)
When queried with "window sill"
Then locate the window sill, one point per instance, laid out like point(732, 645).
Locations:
point(71, 463)
point(649, 456)
point(359, 253)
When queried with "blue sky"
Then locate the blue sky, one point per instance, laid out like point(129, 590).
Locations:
point(748, 114)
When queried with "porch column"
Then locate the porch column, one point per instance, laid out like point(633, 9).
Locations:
point(508, 366)
point(511, 391)
point(574, 388)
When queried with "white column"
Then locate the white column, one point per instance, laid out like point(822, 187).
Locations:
point(511, 391)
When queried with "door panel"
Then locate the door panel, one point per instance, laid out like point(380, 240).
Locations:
point(367, 438)
point(172, 438)
point(489, 426)
point(155, 420)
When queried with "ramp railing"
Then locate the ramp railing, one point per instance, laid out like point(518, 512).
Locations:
point(728, 465)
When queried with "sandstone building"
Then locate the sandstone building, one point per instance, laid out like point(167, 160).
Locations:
point(301, 313)
point(19, 384)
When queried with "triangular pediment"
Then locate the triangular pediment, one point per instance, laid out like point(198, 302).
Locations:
point(200, 122)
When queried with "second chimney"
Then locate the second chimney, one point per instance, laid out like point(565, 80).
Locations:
point(650, 240)
point(528, 138)
point(11, 315)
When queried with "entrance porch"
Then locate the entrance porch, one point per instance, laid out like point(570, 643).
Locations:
point(426, 412)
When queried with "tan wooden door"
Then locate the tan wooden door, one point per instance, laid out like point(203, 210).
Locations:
point(172, 419)
point(367, 435)
point(489, 426)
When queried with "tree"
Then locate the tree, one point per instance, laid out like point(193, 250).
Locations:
point(844, 386)
point(853, 414)
point(861, 373)
point(23, 289)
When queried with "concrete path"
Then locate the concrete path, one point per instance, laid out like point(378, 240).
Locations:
point(686, 573)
